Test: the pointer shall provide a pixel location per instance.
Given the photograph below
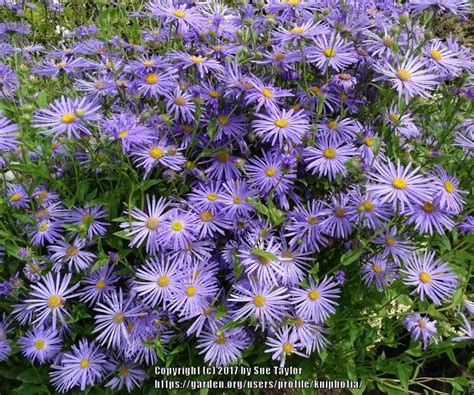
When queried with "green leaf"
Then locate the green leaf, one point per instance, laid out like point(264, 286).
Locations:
point(351, 256)
point(31, 376)
point(264, 254)
point(221, 310)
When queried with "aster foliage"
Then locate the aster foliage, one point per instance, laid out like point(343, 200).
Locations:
point(277, 183)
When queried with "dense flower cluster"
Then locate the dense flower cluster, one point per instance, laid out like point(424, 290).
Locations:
point(255, 140)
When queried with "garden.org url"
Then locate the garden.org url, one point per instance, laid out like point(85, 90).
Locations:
point(248, 384)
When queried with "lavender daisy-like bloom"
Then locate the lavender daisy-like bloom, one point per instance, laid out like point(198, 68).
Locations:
point(99, 284)
point(147, 225)
point(222, 166)
point(310, 335)
point(183, 16)
point(317, 302)
point(72, 254)
point(222, 347)
point(283, 344)
point(427, 217)
point(339, 130)
point(180, 105)
point(156, 281)
point(265, 95)
point(328, 158)
point(127, 129)
point(5, 347)
point(421, 327)
point(45, 231)
point(156, 83)
point(235, 199)
point(84, 365)
point(40, 344)
point(379, 270)
point(297, 32)
point(467, 330)
point(282, 126)
point(112, 319)
point(128, 376)
point(71, 117)
point(179, 229)
point(158, 153)
point(399, 185)
point(8, 135)
point(447, 193)
point(398, 249)
point(338, 216)
point(371, 212)
point(264, 302)
point(90, 218)
point(467, 224)
point(17, 196)
point(432, 278)
point(331, 52)
point(409, 77)
point(48, 299)
point(203, 64)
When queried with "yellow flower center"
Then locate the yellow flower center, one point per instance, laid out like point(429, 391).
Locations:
point(403, 74)
point(152, 223)
point(177, 226)
point(267, 93)
point(314, 90)
point(278, 56)
point(118, 318)
point(100, 284)
point(390, 240)
point(368, 141)
point(428, 207)
point(436, 55)
point(72, 251)
point(422, 323)
point(333, 125)
point(212, 197)
point(156, 152)
point(399, 183)
point(84, 363)
point(214, 94)
point(223, 120)
point(39, 344)
point(281, 123)
point(197, 59)
point(294, 3)
point(220, 339)
point(367, 205)
point(99, 85)
point(312, 220)
point(190, 291)
point(394, 117)
point(259, 301)
point(287, 348)
point(148, 63)
point(123, 133)
point(179, 14)
point(223, 156)
point(329, 153)
point(287, 254)
point(297, 30)
point(43, 227)
point(123, 371)
point(237, 200)
point(329, 52)
point(313, 294)
point(377, 268)
point(15, 197)
point(180, 101)
point(387, 41)
point(270, 172)
point(298, 321)
point(163, 281)
point(54, 301)
point(206, 216)
point(449, 186)
point(68, 118)
point(263, 260)
point(339, 212)
point(151, 79)
point(43, 195)
point(425, 277)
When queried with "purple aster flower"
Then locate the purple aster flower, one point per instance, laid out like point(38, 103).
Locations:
point(45, 231)
point(338, 217)
point(17, 196)
point(265, 95)
point(181, 15)
point(340, 277)
point(467, 224)
point(440, 58)
point(8, 82)
point(427, 217)
point(432, 278)
point(331, 52)
point(210, 223)
point(447, 193)
point(339, 131)
point(40, 344)
point(222, 166)
point(398, 249)
point(222, 347)
point(370, 211)
point(297, 32)
point(207, 196)
point(127, 376)
point(158, 152)
point(48, 299)
point(295, 262)
point(128, 130)
point(180, 105)
point(147, 225)
point(409, 77)
point(156, 281)
point(192, 294)
point(156, 83)
point(264, 302)
point(67, 116)
point(8, 135)
point(283, 344)
point(45, 197)
point(317, 302)
point(344, 81)
point(84, 365)
point(52, 67)
point(399, 185)
point(305, 225)
point(328, 158)
point(97, 285)
point(202, 64)
point(379, 270)
point(179, 228)
point(282, 126)
point(421, 327)
point(33, 269)
point(112, 318)
point(90, 218)
point(235, 199)
point(72, 254)
point(467, 330)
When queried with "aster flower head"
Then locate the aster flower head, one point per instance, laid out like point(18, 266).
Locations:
point(399, 185)
point(98, 284)
point(8, 135)
point(283, 344)
point(221, 347)
point(66, 116)
point(421, 328)
point(331, 52)
point(185, 17)
point(71, 254)
point(380, 271)
point(447, 193)
point(431, 278)
point(265, 95)
point(127, 376)
point(316, 302)
point(395, 247)
point(428, 217)
point(91, 218)
point(338, 216)
point(17, 196)
point(179, 229)
point(467, 330)
point(40, 344)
